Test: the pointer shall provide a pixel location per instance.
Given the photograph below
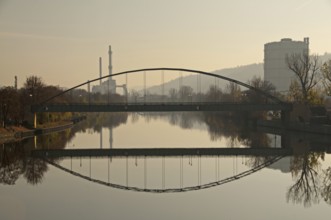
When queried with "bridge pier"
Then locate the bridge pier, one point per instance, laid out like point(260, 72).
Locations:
point(35, 120)
point(286, 118)
point(300, 112)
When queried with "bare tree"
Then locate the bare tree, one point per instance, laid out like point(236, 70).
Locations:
point(214, 94)
point(306, 69)
point(261, 85)
point(34, 87)
point(326, 70)
point(173, 94)
point(234, 91)
point(185, 93)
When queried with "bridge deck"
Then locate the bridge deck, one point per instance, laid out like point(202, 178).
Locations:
point(159, 107)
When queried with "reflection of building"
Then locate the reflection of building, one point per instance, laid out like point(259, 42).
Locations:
point(276, 70)
point(108, 86)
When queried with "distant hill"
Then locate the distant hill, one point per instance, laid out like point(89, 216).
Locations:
point(240, 73)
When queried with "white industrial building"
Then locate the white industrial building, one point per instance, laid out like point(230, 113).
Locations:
point(276, 70)
point(108, 86)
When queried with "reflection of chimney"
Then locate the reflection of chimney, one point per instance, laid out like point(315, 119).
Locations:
point(101, 138)
point(111, 137)
point(100, 69)
point(110, 68)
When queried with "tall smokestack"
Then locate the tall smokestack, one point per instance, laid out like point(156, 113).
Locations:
point(110, 67)
point(15, 85)
point(100, 69)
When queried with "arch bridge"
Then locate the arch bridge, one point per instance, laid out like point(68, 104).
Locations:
point(182, 98)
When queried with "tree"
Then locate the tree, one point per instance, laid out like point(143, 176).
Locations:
point(34, 88)
point(9, 105)
point(214, 94)
point(233, 92)
point(173, 94)
point(134, 96)
point(294, 93)
point(185, 93)
point(262, 85)
point(326, 70)
point(306, 69)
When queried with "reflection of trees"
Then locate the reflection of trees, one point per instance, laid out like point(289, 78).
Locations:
point(10, 173)
point(257, 161)
point(96, 121)
point(326, 186)
point(11, 165)
point(235, 129)
point(305, 190)
point(34, 170)
point(184, 120)
point(15, 162)
point(15, 157)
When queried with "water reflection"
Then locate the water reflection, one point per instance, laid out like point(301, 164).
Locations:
point(181, 188)
point(237, 130)
point(15, 162)
point(179, 173)
point(306, 171)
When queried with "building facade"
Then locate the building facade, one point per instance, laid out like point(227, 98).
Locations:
point(276, 70)
point(106, 87)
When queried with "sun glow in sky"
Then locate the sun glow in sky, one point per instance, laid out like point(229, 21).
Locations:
point(62, 40)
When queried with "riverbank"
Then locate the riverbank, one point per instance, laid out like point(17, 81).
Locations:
point(8, 134)
point(15, 133)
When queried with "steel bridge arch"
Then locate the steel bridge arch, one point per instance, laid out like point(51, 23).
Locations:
point(169, 190)
point(277, 100)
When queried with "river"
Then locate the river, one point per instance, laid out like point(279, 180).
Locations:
point(178, 187)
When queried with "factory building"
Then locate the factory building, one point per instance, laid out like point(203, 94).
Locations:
point(276, 70)
point(109, 85)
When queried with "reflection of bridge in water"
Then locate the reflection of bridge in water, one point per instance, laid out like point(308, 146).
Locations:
point(163, 189)
point(157, 152)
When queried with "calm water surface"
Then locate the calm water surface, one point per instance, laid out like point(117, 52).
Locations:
point(153, 187)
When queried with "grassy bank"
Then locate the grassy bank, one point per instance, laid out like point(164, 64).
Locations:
point(8, 134)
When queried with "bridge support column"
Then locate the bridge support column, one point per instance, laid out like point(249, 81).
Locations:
point(35, 120)
point(300, 113)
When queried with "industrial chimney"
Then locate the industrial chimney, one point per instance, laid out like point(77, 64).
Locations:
point(100, 69)
point(15, 84)
point(110, 67)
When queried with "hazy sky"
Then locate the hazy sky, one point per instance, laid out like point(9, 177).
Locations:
point(62, 40)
